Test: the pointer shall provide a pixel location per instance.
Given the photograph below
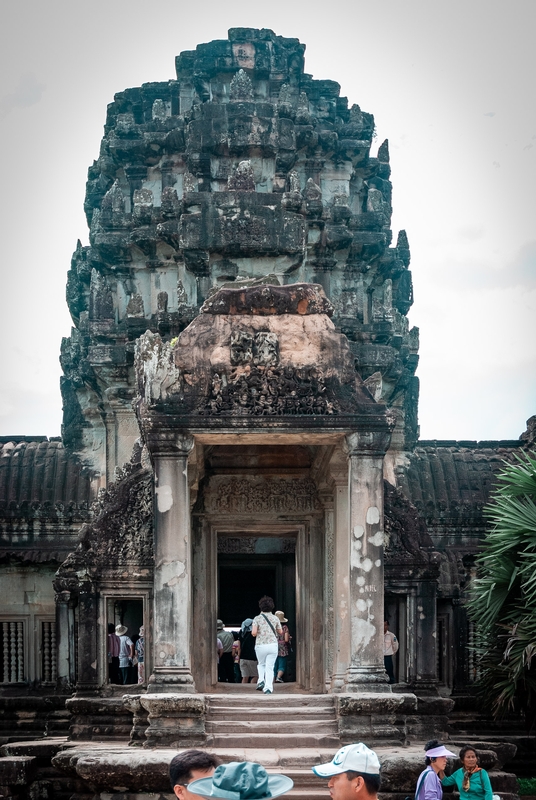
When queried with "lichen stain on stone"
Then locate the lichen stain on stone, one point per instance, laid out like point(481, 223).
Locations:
point(358, 531)
point(164, 498)
point(377, 540)
point(171, 573)
point(364, 631)
point(373, 515)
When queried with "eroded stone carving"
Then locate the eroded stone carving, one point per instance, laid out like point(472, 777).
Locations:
point(270, 391)
point(157, 373)
point(241, 87)
point(242, 495)
point(249, 544)
point(260, 349)
point(242, 178)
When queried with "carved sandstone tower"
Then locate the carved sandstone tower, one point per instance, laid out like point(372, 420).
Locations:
point(241, 310)
point(244, 166)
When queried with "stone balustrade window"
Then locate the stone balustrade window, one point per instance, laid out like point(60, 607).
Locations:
point(13, 661)
point(48, 652)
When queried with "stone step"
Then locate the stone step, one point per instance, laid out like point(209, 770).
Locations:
point(284, 700)
point(273, 740)
point(292, 726)
point(270, 714)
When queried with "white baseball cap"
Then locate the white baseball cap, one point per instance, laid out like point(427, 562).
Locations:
point(357, 757)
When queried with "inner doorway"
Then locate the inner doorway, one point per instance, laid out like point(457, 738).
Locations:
point(243, 578)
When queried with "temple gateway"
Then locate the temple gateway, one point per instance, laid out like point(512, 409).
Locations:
point(240, 418)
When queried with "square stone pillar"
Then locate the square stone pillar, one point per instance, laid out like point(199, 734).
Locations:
point(66, 677)
point(365, 532)
point(172, 628)
point(340, 580)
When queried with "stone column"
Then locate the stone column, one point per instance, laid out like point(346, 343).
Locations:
point(341, 587)
point(425, 636)
point(172, 629)
point(366, 537)
point(87, 682)
point(65, 640)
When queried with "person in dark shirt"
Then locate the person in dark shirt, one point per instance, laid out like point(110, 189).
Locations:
point(248, 658)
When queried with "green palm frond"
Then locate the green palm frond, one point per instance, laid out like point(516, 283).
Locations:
point(502, 599)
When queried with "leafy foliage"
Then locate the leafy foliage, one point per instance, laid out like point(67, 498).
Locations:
point(527, 786)
point(503, 595)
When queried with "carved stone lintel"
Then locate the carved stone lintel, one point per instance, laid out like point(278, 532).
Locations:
point(242, 496)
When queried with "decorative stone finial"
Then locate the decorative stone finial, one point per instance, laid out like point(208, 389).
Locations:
point(242, 178)
point(303, 115)
point(383, 152)
point(159, 110)
point(114, 199)
point(241, 87)
point(312, 195)
point(189, 182)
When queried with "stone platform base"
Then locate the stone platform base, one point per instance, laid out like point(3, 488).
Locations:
point(109, 771)
point(253, 720)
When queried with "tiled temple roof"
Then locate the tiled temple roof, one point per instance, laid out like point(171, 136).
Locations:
point(38, 471)
point(45, 496)
point(450, 477)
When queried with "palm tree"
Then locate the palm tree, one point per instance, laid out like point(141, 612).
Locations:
point(502, 599)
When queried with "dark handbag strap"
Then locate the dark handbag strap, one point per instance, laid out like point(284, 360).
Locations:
point(270, 624)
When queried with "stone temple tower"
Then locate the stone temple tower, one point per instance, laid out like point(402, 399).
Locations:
point(240, 419)
point(241, 340)
point(242, 167)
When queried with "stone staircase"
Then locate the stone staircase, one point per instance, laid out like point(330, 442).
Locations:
point(272, 721)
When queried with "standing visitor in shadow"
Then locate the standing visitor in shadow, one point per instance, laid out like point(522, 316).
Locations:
point(114, 646)
point(225, 666)
point(283, 647)
point(248, 657)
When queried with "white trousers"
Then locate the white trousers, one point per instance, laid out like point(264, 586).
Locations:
point(266, 656)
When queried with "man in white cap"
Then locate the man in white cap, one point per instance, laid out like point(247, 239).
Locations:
point(354, 772)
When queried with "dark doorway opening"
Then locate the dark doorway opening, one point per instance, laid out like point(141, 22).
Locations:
point(243, 578)
point(240, 590)
point(126, 611)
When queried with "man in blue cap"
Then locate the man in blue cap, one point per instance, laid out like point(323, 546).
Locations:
point(353, 772)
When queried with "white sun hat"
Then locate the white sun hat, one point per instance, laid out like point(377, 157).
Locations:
point(356, 757)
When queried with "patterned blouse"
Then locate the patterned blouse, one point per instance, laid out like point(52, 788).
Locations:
point(265, 635)
point(282, 645)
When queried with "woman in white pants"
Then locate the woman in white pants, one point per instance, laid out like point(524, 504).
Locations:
point(265, 628)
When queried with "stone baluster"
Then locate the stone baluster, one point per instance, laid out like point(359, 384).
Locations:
point(366, 538)
point(173, 564)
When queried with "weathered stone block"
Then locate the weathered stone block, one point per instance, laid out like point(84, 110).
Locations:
point(16, 770)
point(175, 720)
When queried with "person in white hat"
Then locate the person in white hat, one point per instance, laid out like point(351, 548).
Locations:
point(353, 772)
point(429, 782)
point(126, 652)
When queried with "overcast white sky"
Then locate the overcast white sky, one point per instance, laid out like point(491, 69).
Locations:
point(451, 85)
